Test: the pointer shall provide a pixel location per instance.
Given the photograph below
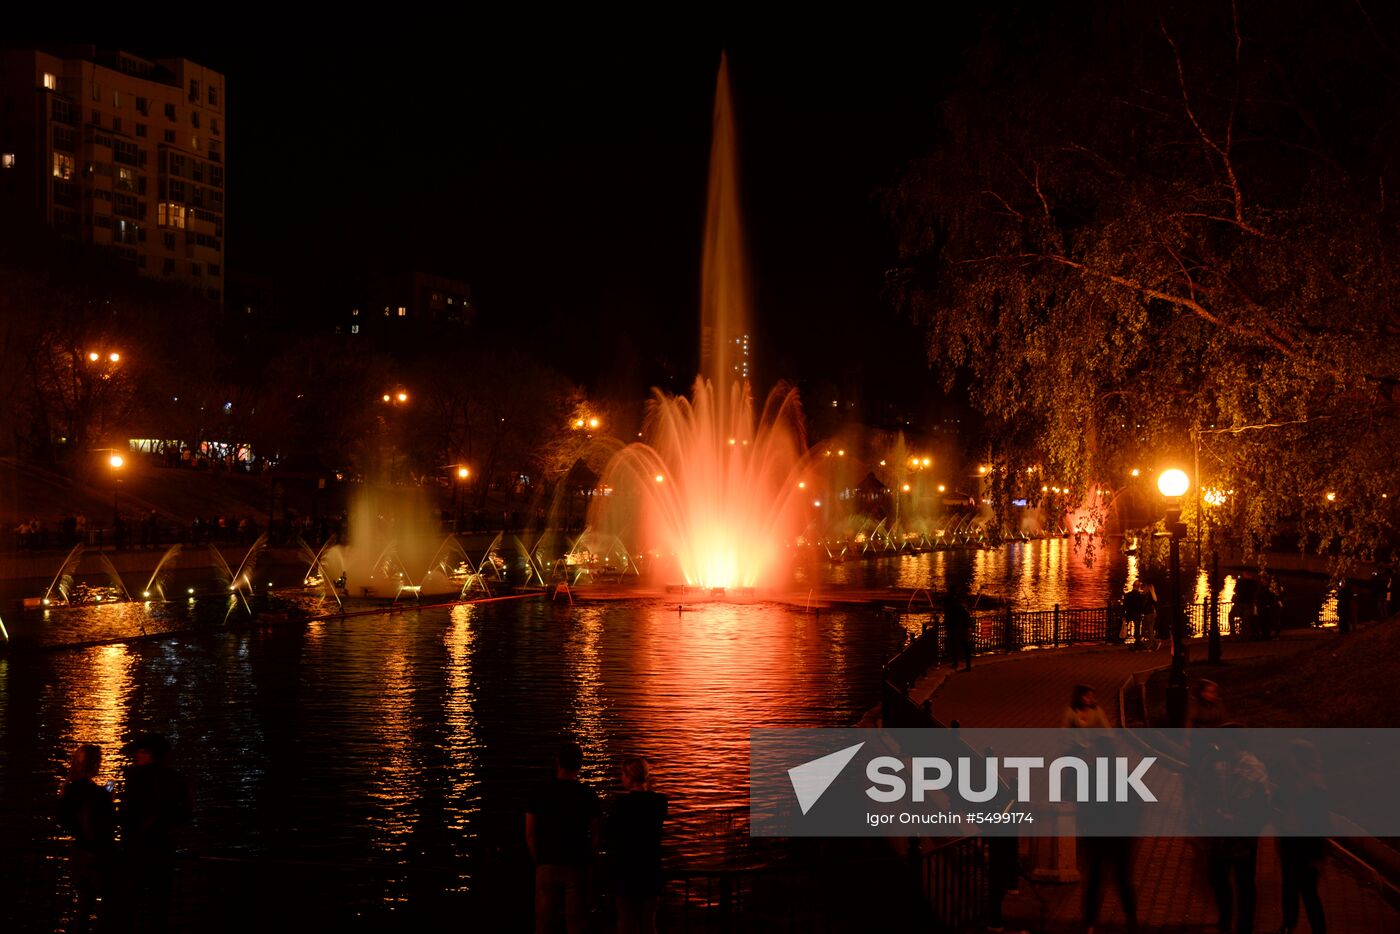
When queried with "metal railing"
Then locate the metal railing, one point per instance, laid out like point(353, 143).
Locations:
point(1012, 630)
point(940, 889)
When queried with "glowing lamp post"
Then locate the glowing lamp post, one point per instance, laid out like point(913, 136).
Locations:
point(1173, 484)
point(115, 461)
point(463, 474)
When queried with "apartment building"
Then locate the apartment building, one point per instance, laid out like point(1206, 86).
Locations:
point(122, 152)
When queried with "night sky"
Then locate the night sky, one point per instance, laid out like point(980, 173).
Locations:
point(564, 176)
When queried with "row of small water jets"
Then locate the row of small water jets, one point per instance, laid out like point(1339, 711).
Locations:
point(335, 572)
point(66, 589)
point(871, 538)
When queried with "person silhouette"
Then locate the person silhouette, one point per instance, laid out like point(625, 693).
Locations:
point(155, 802)
point(562, 827)
point(86, 814)
point(634, 843)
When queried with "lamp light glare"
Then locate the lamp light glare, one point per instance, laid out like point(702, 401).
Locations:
point(1173, 482)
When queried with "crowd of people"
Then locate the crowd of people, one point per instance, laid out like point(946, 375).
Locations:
point(1233, 799)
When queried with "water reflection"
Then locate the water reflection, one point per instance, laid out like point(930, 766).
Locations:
point(97, 696)
point(392, 778)
point(585, 666)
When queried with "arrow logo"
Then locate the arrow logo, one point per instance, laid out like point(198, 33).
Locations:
point(810, 780)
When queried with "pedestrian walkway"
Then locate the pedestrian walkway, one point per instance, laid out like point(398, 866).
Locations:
point(1032, 689)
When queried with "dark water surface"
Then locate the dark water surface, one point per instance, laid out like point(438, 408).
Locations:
point(386, 758)
point(415, 737)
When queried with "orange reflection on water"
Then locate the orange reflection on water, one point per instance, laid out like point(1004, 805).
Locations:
point(393, 769)
point(99, 702)
point(587, 723)
point(463, 744)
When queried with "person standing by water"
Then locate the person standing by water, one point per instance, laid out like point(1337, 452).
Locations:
point(562, 827)
point(155, 802)
point(634, 842)
point(958, 623)
point(86, 814)
point(1134, 602)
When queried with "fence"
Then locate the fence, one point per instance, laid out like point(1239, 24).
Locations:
point(1012, 630)
point(938, 890)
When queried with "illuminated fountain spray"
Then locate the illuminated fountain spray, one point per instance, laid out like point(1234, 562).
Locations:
point(712, 488)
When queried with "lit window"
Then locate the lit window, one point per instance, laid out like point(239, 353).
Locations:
point(116, 98)
point(355, 312)
point(170, 214)
point(402, 311)
point(354, 329)
point(50, 81)
point(7, 160)
point(63, 165)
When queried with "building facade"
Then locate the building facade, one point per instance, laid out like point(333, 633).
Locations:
point(122, 152)
point(407, 303)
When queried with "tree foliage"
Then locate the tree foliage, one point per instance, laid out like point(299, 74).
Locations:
point(1155, 224)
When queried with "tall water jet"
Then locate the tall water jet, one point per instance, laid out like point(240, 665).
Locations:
point(710, 489)
point(724, 274)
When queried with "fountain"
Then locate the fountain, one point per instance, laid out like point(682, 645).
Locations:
point(239, 582)
point(156, 583)
point(65, 587)
point(710, 487)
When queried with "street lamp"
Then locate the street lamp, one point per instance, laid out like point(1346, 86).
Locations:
point(463, 473)
point(115, 462)
point(1173, 484)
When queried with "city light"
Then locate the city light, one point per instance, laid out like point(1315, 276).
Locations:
point(578, 423)
point(906, 488)
point(802, 484)
point(660, 478)
point(402, 396)
point(94, 356)
point(928, 461)
point(594, 422)
point(114, 357)
point(982, 468)
point(1173, 483)
point(387, 397)
point(116, 460)
point(1135, 472)
point(1331, 497)
point(942, 488)
point(463, 473)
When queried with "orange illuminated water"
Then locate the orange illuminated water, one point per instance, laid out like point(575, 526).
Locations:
point(712, 491)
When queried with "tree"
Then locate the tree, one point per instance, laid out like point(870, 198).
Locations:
point(1154, 226)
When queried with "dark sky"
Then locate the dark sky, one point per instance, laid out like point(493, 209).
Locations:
point(564, 177)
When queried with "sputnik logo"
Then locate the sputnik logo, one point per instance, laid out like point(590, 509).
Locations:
point(810, 780)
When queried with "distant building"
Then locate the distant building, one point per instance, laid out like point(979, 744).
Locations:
point(117, 151)
point(742, 356)
point(402, 303)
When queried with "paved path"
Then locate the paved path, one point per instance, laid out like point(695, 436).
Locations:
point(1032, 690)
